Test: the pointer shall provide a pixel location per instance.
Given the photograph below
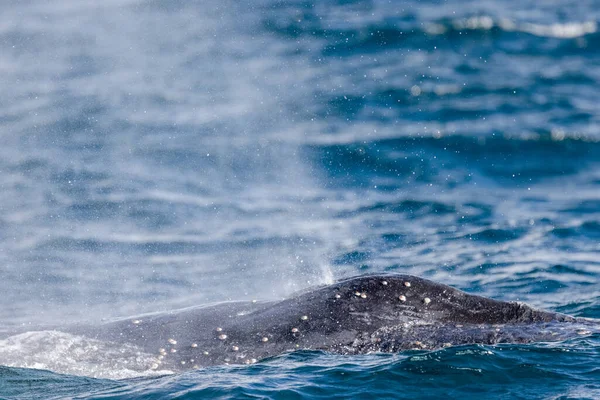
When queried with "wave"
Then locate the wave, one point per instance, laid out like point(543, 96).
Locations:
point(401, 31)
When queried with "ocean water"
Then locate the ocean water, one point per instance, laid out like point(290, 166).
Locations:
point(162, 154)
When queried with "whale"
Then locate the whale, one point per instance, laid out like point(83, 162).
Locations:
point(379, 313)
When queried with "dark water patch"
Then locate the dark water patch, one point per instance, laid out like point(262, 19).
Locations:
point(402, 30)
point(560, 269)
point(565, 78)
point(99, 209)
point(22, 383)
point(587, 230)
point(33, 166)
point(356, 165)
point(591, 206)
point(483, 269)
point(585, 309)
point(354, 257)
point(411, 208)
point(393, 238)
point(427, 159)
point(496, 235)
point(530, 281)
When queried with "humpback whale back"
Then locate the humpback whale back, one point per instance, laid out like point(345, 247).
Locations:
point(358, 315)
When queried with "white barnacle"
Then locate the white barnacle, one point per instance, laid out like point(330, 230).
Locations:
point(384, 283)
point(253, 301)
point(426, 300)
point(194, 345)
point(407, 284)
point(161, 357)
point(363, 295)
point(196, 367)
point(265, 339)
point(162, 351)
point(402, 298)
point(337, 296)
point(227, 360)
point(247, 362)
point(136, 321)
point(253, 360)
point(357, 294)
point(235, 348)
point(219, 329)
point(205, 353)
point(154, 366)
point(295, 330)
point(173, 351)
point(304, 317)
point(222, 337)
point(183, 363)
point(172, 341)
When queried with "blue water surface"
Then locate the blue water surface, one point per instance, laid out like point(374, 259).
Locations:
point(161, 154)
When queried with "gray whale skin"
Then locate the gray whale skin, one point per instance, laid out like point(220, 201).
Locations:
point(365, 314)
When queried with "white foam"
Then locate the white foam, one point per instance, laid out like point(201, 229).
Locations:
point(76, 355)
